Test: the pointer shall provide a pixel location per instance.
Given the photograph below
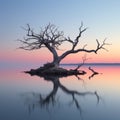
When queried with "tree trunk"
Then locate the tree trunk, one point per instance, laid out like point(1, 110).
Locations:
point(56, 62)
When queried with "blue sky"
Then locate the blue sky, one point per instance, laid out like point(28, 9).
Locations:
point(102, 17)
point(96, 14)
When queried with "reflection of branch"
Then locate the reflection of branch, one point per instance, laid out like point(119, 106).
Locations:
point(98, 97)
point(73, 93)
point(77, 104)
point(94, 72)
point(50, 99)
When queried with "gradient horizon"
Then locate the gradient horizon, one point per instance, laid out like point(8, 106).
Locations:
point(101, 17)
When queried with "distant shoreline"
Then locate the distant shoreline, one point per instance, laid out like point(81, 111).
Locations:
point(92, 64)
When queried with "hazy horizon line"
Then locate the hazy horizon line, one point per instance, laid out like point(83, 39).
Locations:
point(100, 63)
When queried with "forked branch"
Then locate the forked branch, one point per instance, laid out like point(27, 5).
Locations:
point(101, 46)
point(93, 72)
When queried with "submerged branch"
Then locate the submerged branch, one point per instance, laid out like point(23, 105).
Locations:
point(94, 73)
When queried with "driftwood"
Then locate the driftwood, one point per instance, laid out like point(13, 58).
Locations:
point(93, 71)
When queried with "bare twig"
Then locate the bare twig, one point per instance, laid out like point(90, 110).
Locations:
point(84, 59)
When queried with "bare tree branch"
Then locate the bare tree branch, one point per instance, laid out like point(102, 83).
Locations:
point(76, 41)
point(51, 38)
point(99, 46)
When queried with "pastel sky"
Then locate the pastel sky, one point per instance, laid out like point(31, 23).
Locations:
point(102, 17)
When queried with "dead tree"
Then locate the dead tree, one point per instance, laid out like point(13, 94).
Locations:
point(51, 38)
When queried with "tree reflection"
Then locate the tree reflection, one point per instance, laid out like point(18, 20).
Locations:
point(51, 99)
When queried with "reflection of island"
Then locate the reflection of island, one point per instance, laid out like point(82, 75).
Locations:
point(51, 99)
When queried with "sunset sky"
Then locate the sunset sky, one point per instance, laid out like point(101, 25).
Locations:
point(102, 17)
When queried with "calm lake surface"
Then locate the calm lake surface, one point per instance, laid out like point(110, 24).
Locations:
point(25, 97)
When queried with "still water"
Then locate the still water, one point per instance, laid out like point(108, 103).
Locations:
point(25, 97)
